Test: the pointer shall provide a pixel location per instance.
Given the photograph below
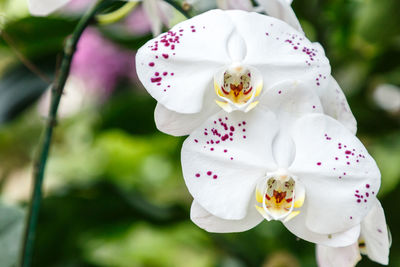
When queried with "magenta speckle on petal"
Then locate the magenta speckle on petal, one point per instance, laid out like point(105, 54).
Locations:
point(215, 176)
point(319, 163)
point(209, 173)
point(197, 175)
point(151, 64)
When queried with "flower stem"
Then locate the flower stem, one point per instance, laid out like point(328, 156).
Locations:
point(179, 7)
point(44, 145)
point(116, 15)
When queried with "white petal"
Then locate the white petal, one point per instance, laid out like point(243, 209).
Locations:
point(289, 101)
point(45, 7)
point(341, 256)
point(336, 106)
point(217, 39)
point(213, 224)
point(298, 227)
point(189, 58)
point(178, 124)
point(282, 10)
point(375, 233)
point(279, 51)
point(150, 7)
point(236, 160)
point(340, 177)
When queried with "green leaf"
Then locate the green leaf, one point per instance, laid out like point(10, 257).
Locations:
point(36, 37)
point(11, 227)
point(19, 88)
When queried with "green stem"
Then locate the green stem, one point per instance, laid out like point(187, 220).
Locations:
point(179, 8)
point(44, 145)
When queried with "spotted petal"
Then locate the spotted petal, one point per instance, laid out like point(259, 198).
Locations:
point(340, 177)
point(375, 234)
point(177, 68)
point(224, 158)
point(211, 223)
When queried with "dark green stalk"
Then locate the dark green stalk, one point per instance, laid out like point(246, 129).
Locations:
point(179, 7)
point(44, 145)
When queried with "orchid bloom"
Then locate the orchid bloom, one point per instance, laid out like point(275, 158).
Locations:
point(285, 161)
point(374, 241)
point(157, 10)
point(224, 60)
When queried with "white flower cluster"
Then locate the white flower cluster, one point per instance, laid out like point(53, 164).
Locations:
point(271, 135)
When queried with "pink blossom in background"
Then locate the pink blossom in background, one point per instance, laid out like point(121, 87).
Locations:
point(138, 22)
point(77, 6)
point(100, 63)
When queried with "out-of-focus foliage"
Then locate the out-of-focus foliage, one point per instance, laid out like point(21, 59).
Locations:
point(114, 193)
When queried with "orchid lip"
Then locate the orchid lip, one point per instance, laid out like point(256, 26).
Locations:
point(277, 195)
point(237, 87)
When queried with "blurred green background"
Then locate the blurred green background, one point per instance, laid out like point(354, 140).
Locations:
point(114, 192)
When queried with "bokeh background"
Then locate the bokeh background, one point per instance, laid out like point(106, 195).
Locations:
point(114, 192)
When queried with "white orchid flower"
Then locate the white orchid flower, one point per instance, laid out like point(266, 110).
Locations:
point(374, 241)
point(223, 60)
point(157, 10)
point(284, 161)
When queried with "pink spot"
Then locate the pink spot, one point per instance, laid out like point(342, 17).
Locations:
point(196, 140)
point(197, 175)
point(244, 137)
point(231, 158)
point(348, 152)
point(319, 163)
point(215, 176)
point(367, 185)
point(358, 200)
point(165, 73)
point(165, 56)
point(279, 92)
point(337, 158)
point(232, 128)
point(209, 173)
point(156, 80)
point(172, 74)
point(225, 150)
point(212, 149)
point(151, 64)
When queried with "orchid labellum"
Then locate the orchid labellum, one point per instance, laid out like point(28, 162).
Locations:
point(374, 241)
point(225, 60)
